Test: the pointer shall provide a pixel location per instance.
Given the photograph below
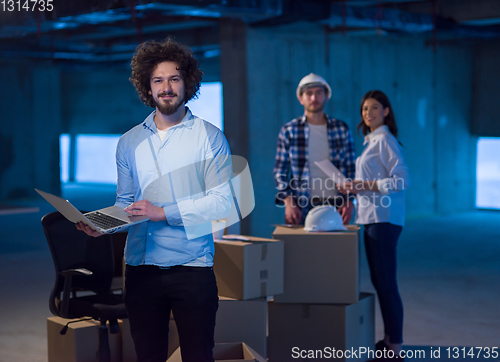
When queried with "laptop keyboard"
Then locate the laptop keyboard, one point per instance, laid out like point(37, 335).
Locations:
point(104, 221)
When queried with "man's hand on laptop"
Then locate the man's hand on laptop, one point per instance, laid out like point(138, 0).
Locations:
point(87, 230)
point(146, 208)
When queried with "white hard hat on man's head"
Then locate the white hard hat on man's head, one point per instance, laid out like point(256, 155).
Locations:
point(313, 80)
point(324, 218)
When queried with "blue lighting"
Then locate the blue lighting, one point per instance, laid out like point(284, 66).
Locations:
point(488, 173)
point(64, 151)
point(60, 25)
point(93, 157)
point(209, 104)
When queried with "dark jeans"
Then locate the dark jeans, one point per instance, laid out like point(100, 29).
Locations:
point(380, 242)
point(189, 292)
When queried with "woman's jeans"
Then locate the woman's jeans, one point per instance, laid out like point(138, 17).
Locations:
point(380, 242)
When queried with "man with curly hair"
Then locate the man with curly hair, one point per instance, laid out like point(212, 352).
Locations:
point(174, 168)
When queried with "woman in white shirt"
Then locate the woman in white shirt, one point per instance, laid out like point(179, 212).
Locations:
point(381, 180)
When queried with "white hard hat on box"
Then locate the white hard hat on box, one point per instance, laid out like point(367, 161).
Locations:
point(324, 218)
point(313, 80)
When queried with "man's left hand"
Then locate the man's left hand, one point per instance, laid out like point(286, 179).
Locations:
point(146, 208)
point(346, 212)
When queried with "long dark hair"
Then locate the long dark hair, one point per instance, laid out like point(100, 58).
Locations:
point(149, 54)
point(389, 120)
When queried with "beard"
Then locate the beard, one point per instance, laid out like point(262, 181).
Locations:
point(316, 108)
point(169, 107)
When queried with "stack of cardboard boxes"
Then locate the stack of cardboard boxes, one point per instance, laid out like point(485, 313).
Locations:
point(248, 272)
point(290, 298)
point(321, 313)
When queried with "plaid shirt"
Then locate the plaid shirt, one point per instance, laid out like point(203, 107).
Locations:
point(292, 153)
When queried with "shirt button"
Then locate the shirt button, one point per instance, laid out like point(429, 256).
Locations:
point(149, 234)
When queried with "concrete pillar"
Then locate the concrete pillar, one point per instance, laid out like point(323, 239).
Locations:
point(233, 75)
point(486, 88)
point(46, 129)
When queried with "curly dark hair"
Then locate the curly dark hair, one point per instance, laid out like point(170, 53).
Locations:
point(389, 120)
point(151, 53)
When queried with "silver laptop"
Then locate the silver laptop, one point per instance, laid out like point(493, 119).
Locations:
point(105, 220)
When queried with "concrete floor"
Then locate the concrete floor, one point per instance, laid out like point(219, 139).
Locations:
point(449, 275)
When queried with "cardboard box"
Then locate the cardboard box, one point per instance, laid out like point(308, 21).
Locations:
point(320, 267)
point(242, 321)
point(227, 352)
point(80, 343)
point(249, 269)
point(128, 349)
point(295, 329)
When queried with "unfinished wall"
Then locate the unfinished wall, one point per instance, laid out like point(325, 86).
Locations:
point(30, 120)
point(430, 93)
point(39, 101)
point(100, 100)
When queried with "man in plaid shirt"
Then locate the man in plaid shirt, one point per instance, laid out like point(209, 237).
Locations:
point(314, 136)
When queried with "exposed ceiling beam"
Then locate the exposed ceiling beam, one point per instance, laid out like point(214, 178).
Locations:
point(375, 17)
point(99, 55)
point(478, 12)
point(109, 30)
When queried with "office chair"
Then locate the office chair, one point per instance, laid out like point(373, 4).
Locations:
point(84, 265)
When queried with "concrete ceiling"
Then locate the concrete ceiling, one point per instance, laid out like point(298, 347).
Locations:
point(101, 31)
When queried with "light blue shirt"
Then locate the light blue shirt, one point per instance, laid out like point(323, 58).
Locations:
point(382, 162)
point(187, 175)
